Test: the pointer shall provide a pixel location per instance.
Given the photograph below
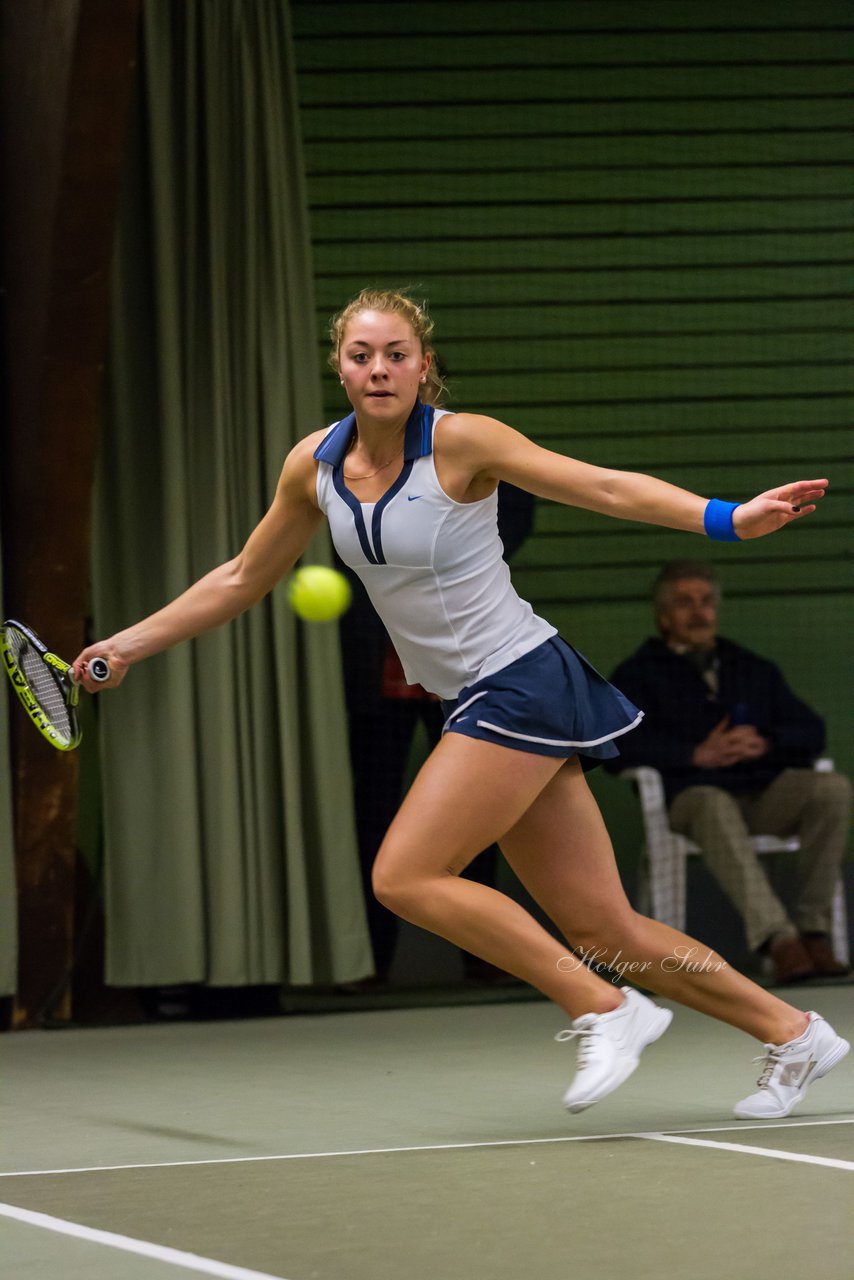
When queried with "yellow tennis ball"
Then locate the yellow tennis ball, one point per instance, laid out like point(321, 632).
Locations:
point(319, 594)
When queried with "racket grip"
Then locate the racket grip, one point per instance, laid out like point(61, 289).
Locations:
point(99, 669)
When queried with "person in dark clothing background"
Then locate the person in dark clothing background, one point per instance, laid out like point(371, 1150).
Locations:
point(735, 749)
point(384, 713)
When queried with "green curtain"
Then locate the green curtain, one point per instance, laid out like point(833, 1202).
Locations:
point(230, 846)
point(8, 893)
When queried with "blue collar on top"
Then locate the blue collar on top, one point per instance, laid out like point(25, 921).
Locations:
point(417, 442)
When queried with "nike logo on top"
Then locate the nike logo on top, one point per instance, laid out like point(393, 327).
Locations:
point(413, 496)
point(794, 1073)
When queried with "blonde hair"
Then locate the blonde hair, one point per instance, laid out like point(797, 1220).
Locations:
point(394, 302)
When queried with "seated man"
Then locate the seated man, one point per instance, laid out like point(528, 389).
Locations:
point(734, 747)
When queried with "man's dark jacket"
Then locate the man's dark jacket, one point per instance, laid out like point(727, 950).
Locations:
point(680, 711)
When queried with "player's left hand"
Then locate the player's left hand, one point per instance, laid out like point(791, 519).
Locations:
point(772, 510)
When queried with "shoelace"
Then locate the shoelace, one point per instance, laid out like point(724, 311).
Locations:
point(769, 1060)
point(584, 1048)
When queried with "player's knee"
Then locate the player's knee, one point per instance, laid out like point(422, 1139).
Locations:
point(413, 895)
point(603, 935)
point(388, 885)
point(832, 789)
point(834, 786)
point(393, 883)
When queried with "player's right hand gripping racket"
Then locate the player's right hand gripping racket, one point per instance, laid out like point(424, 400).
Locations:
point(45, 684)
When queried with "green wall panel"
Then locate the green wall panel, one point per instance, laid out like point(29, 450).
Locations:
point(635, 225)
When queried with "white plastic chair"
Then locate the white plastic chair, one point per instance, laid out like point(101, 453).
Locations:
point(661, 879)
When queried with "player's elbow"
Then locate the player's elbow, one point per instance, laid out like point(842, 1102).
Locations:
point(611, 492)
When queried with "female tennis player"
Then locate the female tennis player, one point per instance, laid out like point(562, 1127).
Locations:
point(409, 490)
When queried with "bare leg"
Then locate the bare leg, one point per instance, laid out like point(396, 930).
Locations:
point(465, 797)
point(560, 850)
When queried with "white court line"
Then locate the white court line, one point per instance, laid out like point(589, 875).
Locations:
point(162, 1253)
point(384, 1151)
point(769, 1152)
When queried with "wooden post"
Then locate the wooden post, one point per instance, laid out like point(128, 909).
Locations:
point(66, 82)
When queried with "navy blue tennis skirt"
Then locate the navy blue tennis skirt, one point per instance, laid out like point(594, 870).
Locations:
point(550, 702)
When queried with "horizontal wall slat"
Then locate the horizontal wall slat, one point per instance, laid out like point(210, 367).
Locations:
point(379, 52)
point(580, 584)
point(521, 386)
point(582, 154)
point(807, 540)
point(419, 192)
point(328, 18)
point(591, 286)
point(696, 451)
point(668, 118)
point(460, 86)
point(538, 253)
point(734, 217)
point(555, 423)
point(640, 352)
point(763, 314)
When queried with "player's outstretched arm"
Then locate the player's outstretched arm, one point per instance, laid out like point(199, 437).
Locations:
point(483, 447)
point(230, 589)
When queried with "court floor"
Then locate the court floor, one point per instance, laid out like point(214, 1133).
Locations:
point(425, 1143)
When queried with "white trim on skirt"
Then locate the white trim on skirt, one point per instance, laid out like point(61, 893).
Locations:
point(554, 742)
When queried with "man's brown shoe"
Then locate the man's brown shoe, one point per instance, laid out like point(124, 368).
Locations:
point(791, 960)
point(820, 952)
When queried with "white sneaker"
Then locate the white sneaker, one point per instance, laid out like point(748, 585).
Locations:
point(789, 1069)
point(610, 1046)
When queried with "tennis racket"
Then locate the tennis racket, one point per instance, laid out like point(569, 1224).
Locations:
point(45, 684)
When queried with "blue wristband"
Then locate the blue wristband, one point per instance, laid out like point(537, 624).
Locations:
point(717, 521)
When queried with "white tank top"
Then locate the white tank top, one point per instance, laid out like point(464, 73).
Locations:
point(432, 567)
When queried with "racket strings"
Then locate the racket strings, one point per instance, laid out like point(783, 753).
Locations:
point(44, 686)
